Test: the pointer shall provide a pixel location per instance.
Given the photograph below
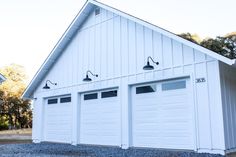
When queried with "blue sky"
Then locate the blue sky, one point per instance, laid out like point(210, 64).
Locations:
point(29, 29)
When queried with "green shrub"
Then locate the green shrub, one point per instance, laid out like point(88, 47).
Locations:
point(3, 127)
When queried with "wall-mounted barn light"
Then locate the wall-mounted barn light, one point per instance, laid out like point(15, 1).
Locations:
point(46, 85)
point(148, 66)
point(87, 79)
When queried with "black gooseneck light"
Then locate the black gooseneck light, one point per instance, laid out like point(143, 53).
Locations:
point(87, 79)
point(148, 66)
point(46, 85)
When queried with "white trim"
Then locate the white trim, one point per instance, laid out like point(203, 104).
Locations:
point(87, 91)
point(218, 77)
point(195, 112)
point(161, 79)
point(194, 96)
point(43, 119)
point(124, 101)
point(57, 96)
point(79, 102)
point(75, 117)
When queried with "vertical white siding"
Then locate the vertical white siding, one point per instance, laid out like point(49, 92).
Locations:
point(203, 108)
point(228, 87)
point(75, 117)
point(167, 52)
point(188, 55)
point(37, 135)
point(132, 47)
point(36, 116)
point(124, 46)
point(116, 49)
point(110, 47)
point(215, 105)
point(140, 56)
point(177, 54)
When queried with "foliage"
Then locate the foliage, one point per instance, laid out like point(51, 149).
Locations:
point(3, 123)
point(16, 111)
point(225, 46)
point(191, 37)
point(231, 35)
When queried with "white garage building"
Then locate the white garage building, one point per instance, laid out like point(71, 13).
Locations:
point(188, 101)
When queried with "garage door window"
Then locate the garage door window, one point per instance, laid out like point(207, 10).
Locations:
point(109, 94)
point(91, 96)
point(145, 89)
point(174, 85)
point(52, 101)
point(65, 100)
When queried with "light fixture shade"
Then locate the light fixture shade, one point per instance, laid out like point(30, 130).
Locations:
point(87, 79)
point(148, 66)
point(46, 86)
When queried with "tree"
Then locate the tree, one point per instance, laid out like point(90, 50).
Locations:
point(16, 111)
point(231, 35)
point(191, 37)
point(225, 46)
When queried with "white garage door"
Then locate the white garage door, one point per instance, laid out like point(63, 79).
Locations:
point(162, 115)
point(100, 118)
point(58, 120)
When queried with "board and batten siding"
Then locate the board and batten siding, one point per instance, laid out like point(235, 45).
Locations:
point(228, 88)
point(116, 49)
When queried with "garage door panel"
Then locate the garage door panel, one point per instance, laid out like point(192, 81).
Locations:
point(174, 109)
point(177, 105)
point(59, 133)
point(141, 101)
point(58, 122)
point(100, 120)
point(164, 115)
point(57, 126)
point(174, 98)
point(172, 114)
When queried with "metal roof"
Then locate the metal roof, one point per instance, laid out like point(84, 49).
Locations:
point(75, 26)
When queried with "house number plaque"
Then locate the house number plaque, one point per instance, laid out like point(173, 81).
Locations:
point(200, 80)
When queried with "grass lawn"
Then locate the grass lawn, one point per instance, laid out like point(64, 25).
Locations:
point(16, 132)
point(13, 141)
point(15, 136)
